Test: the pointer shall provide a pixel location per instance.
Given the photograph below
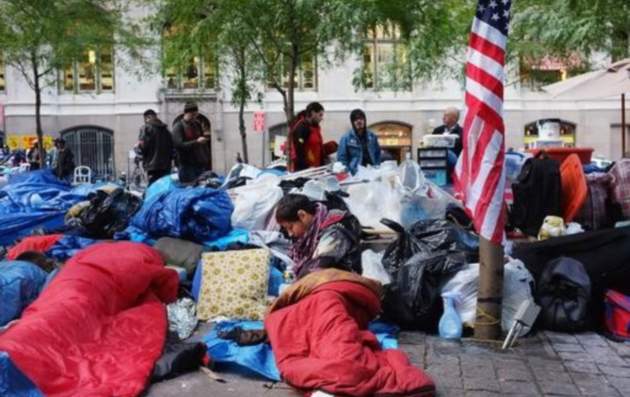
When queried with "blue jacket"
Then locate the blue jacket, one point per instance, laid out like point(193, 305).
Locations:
point(350, 152)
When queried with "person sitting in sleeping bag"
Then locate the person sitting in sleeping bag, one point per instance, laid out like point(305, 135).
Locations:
point(322, 237)
point(21, 282)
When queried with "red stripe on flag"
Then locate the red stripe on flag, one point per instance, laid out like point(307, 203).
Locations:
point(487, 48)
point(484, 78)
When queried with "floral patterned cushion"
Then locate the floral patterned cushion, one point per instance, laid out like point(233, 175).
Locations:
point(234, 284)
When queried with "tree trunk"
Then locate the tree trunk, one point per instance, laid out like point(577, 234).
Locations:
point(241, 128)
point(242, 103)
point(38, 117)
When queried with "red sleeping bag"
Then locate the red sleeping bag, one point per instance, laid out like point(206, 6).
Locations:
point(322, 343)
point(99, 327)
point(33, 243)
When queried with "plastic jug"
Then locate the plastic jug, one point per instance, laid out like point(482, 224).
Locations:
point(450, 326)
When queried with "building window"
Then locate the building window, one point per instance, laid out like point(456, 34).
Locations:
point(93, 72)
point(305, 74)
point(385, 59)
point(197, 73)
point(2, 74)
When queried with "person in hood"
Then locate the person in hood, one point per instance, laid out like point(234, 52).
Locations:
point(156, 145)
point(192, 145)
point(64, 164)
point(307, 144)
point(321, 237)
point(359, 146)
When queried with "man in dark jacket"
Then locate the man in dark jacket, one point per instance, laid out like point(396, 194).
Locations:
point(192, 145)
point(450, 126)
point(156, 145)
point(64, 166)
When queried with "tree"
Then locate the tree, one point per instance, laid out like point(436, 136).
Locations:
point(39, 37)
point(566, 29)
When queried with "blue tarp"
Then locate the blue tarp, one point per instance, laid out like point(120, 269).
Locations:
point(196, 214)
point(68, 246)
point(259, 358)
point(34, 200)
point(20, 284)
point(13, 383)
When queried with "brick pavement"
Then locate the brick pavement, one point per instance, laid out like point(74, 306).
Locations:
point(548, 364)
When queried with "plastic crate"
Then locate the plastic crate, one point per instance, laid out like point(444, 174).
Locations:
point(424, 153)
point(561, 153)
point(437, 176)
point(433, 163)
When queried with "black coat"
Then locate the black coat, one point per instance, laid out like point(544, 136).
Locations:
point(157, 146)
point(456, 130)
point(65, 163)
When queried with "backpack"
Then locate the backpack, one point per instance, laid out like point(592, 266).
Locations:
point(617, 315)
point(537, 193)
point(564, 294)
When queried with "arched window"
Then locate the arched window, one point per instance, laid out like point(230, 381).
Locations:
point(92, 146)
point(394, 137)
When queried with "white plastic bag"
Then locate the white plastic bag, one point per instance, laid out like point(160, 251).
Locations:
point(372, 201)
point(516, 289)
point(373, 268)
point(254, 203)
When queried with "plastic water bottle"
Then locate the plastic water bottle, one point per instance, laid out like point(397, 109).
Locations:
point(450, 326)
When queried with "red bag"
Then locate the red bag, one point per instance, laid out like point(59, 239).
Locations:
point(617, 312)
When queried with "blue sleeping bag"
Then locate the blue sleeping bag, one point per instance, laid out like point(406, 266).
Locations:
point(195, 214)
point(20, 284)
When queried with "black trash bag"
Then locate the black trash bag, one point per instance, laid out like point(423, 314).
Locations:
point(564, 294)
point(418, 271)
point(107, 214)
point(441, 234)
point(413, 298)
point(178, 358)
point(209, 179)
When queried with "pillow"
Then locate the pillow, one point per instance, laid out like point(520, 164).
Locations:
point(234, 284)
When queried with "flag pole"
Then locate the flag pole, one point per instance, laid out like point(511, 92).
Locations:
point(489, 299)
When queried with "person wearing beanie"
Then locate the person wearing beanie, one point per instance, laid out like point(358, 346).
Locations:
point(358, 146)
point(156, 145)
point(192, 145)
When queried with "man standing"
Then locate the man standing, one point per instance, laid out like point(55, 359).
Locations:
point(450, 126)
point(359, 146)
point(156, 145)
point(64, 165)
point(307, 145)
point(193, 147)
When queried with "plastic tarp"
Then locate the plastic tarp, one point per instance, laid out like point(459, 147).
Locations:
point(196, 214)
point(99, 327)
point(259, 358)
point(517, 288)
point(164, 184)
point(34, 200)
point(20, 284)
point(13, 383)
point(255, 202)
point(58, 246)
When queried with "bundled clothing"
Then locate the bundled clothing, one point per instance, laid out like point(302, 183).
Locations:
point(318, 332)
point(307, 145)
point(194, 158)
point(157, 149)
point(332, 240)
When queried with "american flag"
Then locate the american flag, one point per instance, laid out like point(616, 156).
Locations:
point(480, 174)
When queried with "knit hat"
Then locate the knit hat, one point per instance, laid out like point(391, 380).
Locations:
point(356, 114)
point(190, 107)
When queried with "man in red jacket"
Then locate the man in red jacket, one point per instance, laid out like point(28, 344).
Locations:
point(307, 144)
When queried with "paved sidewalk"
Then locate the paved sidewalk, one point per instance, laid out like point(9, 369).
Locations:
point(548, 364)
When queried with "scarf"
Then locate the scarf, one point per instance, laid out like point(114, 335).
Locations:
point(303, 248)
